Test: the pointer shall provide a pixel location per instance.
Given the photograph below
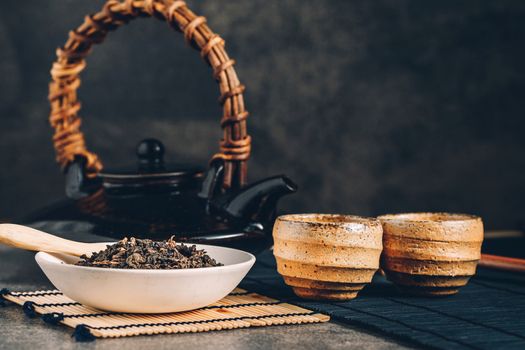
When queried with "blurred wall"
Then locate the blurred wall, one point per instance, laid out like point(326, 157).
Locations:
point(371, 106)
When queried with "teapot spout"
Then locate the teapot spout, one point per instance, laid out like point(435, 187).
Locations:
point(258, 201)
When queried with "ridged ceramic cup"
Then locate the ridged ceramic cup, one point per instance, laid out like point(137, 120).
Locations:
point(327, 256)
point(431, 254)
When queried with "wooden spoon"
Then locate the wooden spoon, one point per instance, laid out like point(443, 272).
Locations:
point(28, 238)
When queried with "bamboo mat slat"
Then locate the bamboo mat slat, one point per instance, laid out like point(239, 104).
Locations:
point(240, 309)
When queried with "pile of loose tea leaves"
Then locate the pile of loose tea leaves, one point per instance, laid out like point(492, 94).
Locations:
point(134, 253)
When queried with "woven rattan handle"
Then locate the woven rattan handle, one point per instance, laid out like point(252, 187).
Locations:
point(69, 140)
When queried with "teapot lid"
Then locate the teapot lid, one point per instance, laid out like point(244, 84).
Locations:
point(151, 167)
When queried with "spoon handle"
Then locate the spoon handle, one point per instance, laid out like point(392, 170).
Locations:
point(28, 238)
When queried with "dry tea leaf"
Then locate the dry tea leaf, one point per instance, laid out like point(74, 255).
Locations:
point(134, 253)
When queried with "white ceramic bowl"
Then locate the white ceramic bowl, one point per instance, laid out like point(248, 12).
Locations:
point(148, 291)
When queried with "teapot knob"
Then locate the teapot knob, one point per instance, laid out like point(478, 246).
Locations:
point(150, 153)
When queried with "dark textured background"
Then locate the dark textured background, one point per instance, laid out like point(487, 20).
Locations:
point(371, 106)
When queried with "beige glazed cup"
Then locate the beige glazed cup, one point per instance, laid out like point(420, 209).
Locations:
point(431, 254)
point(325, 256)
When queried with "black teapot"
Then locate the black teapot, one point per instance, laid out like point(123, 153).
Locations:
point(154, 198)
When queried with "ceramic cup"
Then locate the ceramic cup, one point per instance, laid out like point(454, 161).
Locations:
point(327, 256)
point(431, 254)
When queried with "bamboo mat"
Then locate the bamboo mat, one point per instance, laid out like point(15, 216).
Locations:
point(240, 309)
point(489, 313)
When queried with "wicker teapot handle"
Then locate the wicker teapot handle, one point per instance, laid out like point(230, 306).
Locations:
point(64, 118)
